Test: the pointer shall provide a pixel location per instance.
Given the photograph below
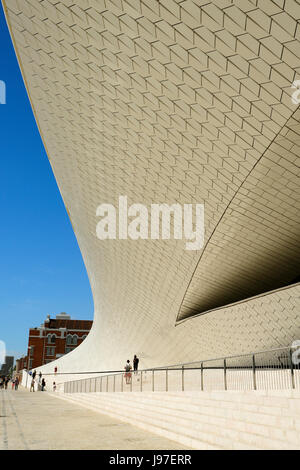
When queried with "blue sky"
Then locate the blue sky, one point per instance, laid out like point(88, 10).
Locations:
point(41, 268)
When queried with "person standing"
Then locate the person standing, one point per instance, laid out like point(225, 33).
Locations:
point(127, 371)
point(32, 385)
point(135, 363)
point(43, 384)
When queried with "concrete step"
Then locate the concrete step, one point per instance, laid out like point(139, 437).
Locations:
point(265, 426)
point(206, 425)
point(217, 434)
point(269, 415)
point(155, 426)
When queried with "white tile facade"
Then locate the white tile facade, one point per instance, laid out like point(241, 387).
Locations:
point(173, 101)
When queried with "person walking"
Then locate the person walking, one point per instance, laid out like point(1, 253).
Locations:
point(32, 385)
point(43, 384)
point(16, 383)
point(34, 374)
point(135, 363)
point(127, 371)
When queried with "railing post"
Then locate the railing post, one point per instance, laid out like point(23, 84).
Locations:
point(131, 379)
point(90, 385)
point(141, 381)
point(202, 376)
point(101, 384)
point(254, 372)
point(167, 385)
point(107, 383)
point(225, 375)
point(122, 383)
point(292, 369)
point(182, 378)
point(152, 380)
point(114, 383)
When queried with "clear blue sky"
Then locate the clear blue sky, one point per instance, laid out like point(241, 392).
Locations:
point(41, 268)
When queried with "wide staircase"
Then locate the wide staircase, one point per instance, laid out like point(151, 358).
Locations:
point(207, 420)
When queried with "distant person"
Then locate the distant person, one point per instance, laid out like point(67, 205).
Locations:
point(13, 384)
point(40, 377)
point(32, 385)
point(43, 385)
point(135, 363)
point(6, 382)
point(34, 374)
point(16, 383)
point(54, 386)
point(127, 371)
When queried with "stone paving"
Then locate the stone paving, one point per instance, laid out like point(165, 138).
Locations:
point(39, 421)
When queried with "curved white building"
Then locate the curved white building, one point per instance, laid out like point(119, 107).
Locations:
point(174, 102)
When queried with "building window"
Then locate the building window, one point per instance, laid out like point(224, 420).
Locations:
point(50, 351)
point(68, 350)
point(51, 339)
point(69, 339)
point(75, 340)
point(83, 337)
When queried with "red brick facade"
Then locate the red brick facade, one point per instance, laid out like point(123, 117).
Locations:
point(21, 364)
point(56, 337)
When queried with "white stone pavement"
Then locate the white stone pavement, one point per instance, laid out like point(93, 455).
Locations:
point(40, 421)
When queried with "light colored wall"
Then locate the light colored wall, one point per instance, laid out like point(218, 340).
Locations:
point(170, 103)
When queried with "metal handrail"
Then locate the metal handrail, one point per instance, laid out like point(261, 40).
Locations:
point(289, 372)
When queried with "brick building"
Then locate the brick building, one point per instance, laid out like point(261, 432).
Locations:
point(21, 363)
point(55, 338)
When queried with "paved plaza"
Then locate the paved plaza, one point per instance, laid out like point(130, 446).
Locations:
point(39, 421)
